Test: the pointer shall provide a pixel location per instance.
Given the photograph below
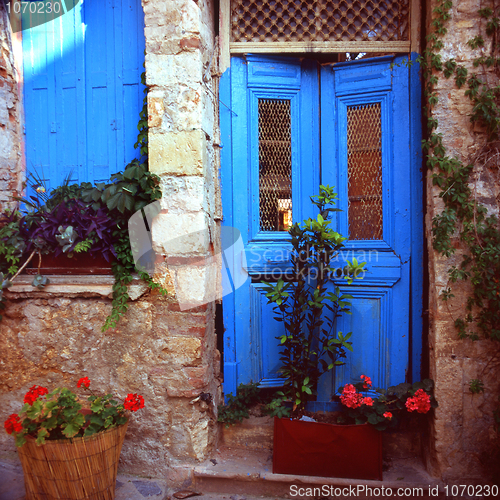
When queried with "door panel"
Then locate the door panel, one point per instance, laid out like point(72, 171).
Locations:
point(253, 80)
point(264, 330)
point(354, 117)
point(370, 165)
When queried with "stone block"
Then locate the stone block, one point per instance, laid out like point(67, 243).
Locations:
point(199, 436)
point(197, 283)
point(184, 107)
point(185, 351)
point(180, 235)
point(198, 376)
point(183, 194)
point(180, 323)
point(183, 153)
point(190, 14)
point(163, 70)
point(156, 110)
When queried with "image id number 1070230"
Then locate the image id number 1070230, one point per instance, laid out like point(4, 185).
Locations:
point(462, 490)
point(48, 7)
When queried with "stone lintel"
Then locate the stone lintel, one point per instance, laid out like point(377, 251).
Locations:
point(75, 285)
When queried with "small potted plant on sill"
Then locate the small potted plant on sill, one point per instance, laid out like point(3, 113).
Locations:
point(79, 229)
point(68, 450)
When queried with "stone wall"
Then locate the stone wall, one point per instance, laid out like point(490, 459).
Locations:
point(180, 62)
point(160, 349)
point(11, 158)
point(53, 337)
point(463, 440)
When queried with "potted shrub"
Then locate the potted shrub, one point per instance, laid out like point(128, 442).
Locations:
point(308, 307)
point(70, 451)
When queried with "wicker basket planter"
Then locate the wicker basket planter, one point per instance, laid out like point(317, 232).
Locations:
point(73, 469)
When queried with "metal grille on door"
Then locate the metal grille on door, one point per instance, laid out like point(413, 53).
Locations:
point(275, 165)
point(364, 169)
point(320, 21)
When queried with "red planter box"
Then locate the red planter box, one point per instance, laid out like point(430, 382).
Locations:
point(81, 263)
point(327, 450)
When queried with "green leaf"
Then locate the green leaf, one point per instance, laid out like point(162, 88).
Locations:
point(41, 435)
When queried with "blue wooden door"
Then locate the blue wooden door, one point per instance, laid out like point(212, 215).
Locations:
point(349, 125)
point(82, 91)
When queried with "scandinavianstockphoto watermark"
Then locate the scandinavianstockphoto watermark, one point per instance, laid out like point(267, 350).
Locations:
point(201, 274)
point(27, 14)
point(364, 491)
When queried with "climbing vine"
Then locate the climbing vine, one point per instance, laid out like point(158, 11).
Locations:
point(466, 223)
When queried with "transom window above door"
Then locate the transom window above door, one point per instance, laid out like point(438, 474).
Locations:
point(335, 26)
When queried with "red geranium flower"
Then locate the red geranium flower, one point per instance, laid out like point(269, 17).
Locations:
point(33, 394)
point(367, 381)
point(421, 402)
point(13, 424)
point(83, 381)
point(350, 397)
point(133, 402)
point(388, 415)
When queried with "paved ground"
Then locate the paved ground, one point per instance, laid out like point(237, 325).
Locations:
point(246, 474)
point(127, 487)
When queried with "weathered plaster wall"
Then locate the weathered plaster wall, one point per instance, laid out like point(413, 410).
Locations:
point(160, 350)
point(11, 160)
point(463, 438)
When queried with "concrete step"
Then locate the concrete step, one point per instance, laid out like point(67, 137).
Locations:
point(238, 471)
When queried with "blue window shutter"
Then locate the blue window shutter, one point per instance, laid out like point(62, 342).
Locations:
point(83, 92)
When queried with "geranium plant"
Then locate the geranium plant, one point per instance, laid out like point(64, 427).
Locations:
point(385, 409)
point(60, 414)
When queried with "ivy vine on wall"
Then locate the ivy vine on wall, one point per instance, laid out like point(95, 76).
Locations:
point(467, 224)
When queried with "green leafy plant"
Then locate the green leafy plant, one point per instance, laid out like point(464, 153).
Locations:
point(465, 223)
point(464, 218)
point(476, 386)
point(12, 244)
point(142, 137)
point(277, 407)
point(309, 305)
point(59, 414)
point(384, 410)
point(236, 408)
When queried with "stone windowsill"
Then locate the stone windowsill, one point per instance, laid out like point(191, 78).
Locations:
point(72, 286)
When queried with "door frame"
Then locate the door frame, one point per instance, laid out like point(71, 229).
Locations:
point(231, 310)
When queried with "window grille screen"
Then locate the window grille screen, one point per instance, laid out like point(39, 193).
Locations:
point(275, 165)
point(320, 21)
point(364, 168)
